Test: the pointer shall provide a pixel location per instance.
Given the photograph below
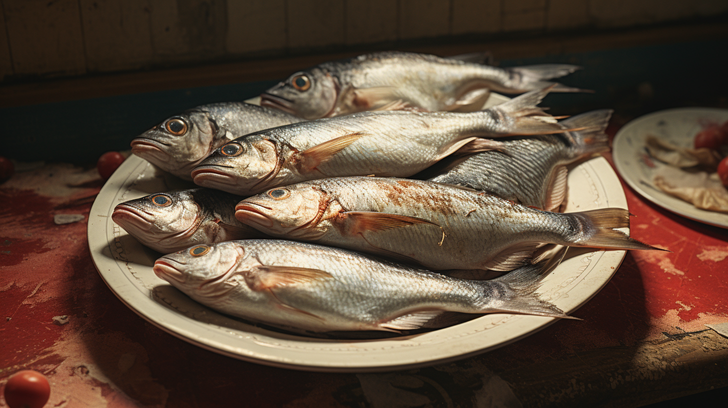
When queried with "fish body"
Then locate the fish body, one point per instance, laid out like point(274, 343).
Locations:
point(321, 289)
point(391, 143)
point(181, 141)
point(435, 225)
point(532, 170)
point(169, 222)
point(426, 82)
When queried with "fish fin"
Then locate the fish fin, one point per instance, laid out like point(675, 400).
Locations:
point(482, 57)
point(411, 321)
point(364, 221)
point(399, 105)
point(471, 101)
point(537, 76)
point(592, 139)
point(269, 277)
point(557, 189)
point(478, 145)
point(366, 98)
point(513, 256)
point(310, 158)
point(527, 118)
point(598, 226)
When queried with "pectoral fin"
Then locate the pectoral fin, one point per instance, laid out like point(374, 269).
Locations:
point(471, 101)
point(411, 321)
point(366, 98)
point(364, 221)
point(310, 158)
point(268, 277)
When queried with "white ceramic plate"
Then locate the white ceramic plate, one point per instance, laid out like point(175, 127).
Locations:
point(677, 126)
point(126, 267)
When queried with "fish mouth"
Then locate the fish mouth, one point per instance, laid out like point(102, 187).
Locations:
point(251, 214)
point(143, 147)
point(212, 175)
point(166, 271)
point(125, 215)
point(277, 102)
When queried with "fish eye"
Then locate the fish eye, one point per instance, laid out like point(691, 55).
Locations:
point(232, 149)
point(199, 250)
point(176, 126)
point(279, 194)
point(301, 82)
point(161, 200)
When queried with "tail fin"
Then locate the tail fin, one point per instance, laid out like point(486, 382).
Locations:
point(515, 292)
point(592, 139)
point(521, 116)
point(598, 230)
point(536, 76)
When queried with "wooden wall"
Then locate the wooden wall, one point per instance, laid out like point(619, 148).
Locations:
point(62, 38)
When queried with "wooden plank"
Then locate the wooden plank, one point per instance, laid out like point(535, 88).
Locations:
point(524, 15)
point(6, 62)
point(187, 30)
point(314, 23)
point(116, 34)
point(423, 18)
point(563, 14)
point(45, 37)
point(256, 25)
point(476, 16)
point(371, 21)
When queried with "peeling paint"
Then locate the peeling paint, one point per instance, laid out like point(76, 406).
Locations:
point(713, 253)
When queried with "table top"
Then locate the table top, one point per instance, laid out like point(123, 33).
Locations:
point(643, 338)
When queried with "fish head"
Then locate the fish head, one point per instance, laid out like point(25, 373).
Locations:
point(293, 211)
point(309, 94)
point(240, 166)
point(204, 270)
point(163, 221)
point(178, 143)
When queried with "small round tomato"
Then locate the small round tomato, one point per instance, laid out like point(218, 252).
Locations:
point(108, 163)
point(711, 137)
point(723, 171)
point(27, 389)
point(6, 169)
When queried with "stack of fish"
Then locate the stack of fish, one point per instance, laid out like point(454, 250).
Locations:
point(334, 156)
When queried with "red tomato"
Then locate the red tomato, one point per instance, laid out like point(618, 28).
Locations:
point(724, 130)
point(723, 171)
point(6, 169)
point(27, 389)
point(711, 137)
point(108, 163)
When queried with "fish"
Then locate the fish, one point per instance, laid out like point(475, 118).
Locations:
point(389, 143)
point(172, 221)
point(400, 79)
point(181, 141)
point(532, 170)
point(323, 289)
point(436, 226)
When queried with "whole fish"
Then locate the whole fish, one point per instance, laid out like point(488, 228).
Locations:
point(321, 289)
point(427, 82)
point(181, 141)
point(436, 225)
point(532, 170)
point(169, 222)
point(393, 143)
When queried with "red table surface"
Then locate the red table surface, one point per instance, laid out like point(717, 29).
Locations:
point(642, 338)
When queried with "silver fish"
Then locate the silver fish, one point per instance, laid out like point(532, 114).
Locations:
point(181, 141)
point(399, 79)
point(532, 170)
point(169, 222)
point(322, 289)
point(394, 143)
point(435, 225)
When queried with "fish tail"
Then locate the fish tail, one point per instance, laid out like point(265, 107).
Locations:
point(537, 76)
point(592, 139)
point(598, 230)
point(521, 116)
point(515, 292)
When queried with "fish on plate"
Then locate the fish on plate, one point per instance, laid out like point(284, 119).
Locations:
point(181, 141)
point(400, 79)
point(391, 143)
point(438, 226)
point(169, 222)
point(323, 289)
point(532, 170)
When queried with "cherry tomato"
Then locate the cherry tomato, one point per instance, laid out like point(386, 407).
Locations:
point(6, 169)
point(711, 137)
point(27, 389)
point(723, 171)
point(108, 163)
